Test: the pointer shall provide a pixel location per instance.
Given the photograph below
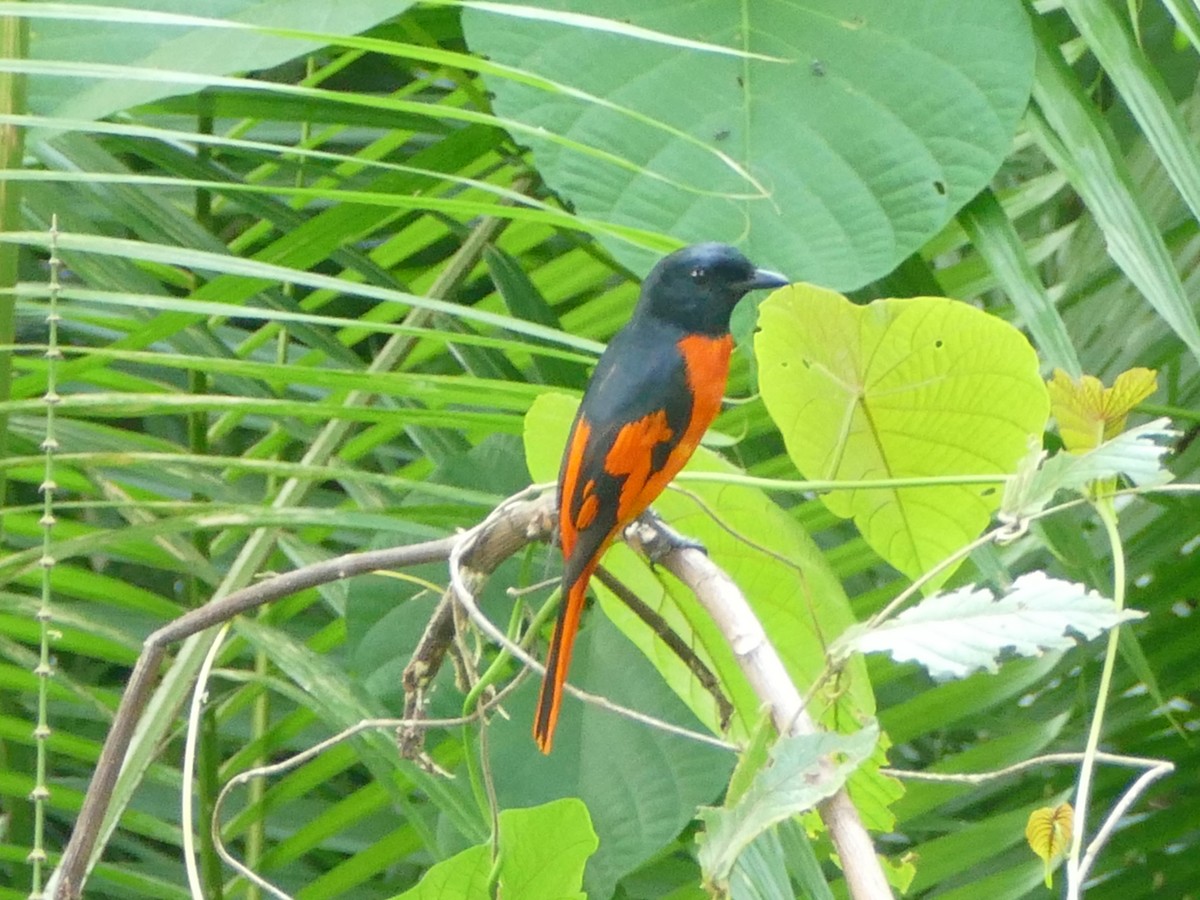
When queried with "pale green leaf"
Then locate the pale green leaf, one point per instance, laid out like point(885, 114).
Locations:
point(798, 776)
point(897, 389)
point(463, 876)
point(543, 850)
point(956, 633)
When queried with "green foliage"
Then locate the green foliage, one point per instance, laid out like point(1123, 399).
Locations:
point(312, 281)
point(542, 852)
point(791, 782)
point(768, 149)
point(900, 389)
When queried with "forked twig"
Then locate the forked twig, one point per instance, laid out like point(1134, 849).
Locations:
point(292, 762)
point(73, 868)
point(471, 555)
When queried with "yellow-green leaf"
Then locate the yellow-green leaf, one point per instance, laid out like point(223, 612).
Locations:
point(1088, 413)
point(1049, 833)
point(900, 389)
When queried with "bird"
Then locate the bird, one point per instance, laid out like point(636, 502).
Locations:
point(653, 394)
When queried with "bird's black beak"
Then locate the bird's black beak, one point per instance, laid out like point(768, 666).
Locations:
point(765, 278)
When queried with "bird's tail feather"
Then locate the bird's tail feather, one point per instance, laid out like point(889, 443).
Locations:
point(559, 659)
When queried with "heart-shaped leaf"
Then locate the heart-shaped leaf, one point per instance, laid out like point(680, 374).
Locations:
point(833, 159)
point(900, 389)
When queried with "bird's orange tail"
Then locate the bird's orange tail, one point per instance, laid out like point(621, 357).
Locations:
point(558, 660)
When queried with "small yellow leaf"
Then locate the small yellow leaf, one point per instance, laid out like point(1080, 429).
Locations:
point(1049, 833)
point(1088, 413)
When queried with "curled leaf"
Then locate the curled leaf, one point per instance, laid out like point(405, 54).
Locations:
point(1088, 413)
point(1049, 834)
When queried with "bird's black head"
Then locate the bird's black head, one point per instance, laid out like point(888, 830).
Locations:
point(696, 288)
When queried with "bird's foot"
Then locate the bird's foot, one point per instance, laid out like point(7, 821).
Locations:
point(655, 538)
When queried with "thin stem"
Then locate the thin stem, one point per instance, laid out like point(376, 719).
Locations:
point(1046, 759)
point(195, 717)
point(1075, 873)
point(818, 486)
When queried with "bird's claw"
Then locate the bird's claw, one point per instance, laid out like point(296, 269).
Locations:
point(657, 539)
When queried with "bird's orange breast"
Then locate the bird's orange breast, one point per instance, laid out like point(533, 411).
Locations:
point(706, 362)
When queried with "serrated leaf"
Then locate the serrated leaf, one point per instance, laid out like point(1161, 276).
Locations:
point(956, 633)
point(1049, 833)
point(895, 389)
point(1088, 413)
point(1133, 454)
point(692, 124)
point(792, 782)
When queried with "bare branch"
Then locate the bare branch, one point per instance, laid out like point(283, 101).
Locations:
point(471, 556)
point(1127, 800)
point(72, 869)
point(724, 602)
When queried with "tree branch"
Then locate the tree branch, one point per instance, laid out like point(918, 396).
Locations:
point(725, 603)
point(472, 555)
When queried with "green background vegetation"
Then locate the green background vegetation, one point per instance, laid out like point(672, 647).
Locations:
point(318, 261)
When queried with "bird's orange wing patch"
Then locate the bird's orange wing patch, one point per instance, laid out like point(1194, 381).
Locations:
point(568, 501)
point(631, 457)
point(588, 507)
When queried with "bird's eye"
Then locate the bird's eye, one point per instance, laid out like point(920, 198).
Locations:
point(699, 275)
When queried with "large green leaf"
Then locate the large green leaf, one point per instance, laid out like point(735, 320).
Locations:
point(863, 135)
point(542, 852)
point(900, 389)
point(463, 875)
